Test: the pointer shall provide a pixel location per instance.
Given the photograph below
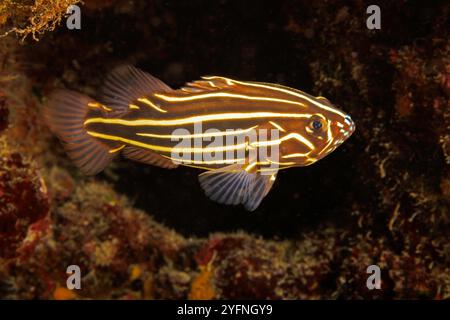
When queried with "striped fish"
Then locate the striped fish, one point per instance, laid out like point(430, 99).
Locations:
point(242, 133)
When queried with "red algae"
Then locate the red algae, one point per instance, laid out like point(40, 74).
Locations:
point(23, 200)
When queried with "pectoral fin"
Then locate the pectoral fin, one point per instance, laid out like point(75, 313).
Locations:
point(148, 157)
point(234, 185)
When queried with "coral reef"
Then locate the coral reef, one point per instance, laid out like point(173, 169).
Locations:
point(114, 236)
point(3, 114)
point(139, 232)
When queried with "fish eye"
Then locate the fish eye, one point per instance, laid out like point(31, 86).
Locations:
point(316, 124)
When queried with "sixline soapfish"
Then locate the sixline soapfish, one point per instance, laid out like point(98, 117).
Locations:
point(217, 124)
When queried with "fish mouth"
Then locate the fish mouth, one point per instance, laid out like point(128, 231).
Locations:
point(344, 132)
point(350, 125)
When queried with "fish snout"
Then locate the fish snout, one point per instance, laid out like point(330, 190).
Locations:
point(349, 126)
point(342, 132)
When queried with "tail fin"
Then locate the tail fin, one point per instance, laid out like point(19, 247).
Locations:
point(65, 114)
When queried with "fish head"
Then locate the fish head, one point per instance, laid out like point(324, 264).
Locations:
point(320, 133)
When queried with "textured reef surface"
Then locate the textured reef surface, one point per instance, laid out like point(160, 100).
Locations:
point(139, 232)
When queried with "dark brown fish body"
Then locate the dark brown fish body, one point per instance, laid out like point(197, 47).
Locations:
point(244, 132)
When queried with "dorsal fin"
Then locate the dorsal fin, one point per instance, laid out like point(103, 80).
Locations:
point(126, 84)
point(208, 83)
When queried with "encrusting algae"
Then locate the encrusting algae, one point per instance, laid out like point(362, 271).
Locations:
point(388, 189)
point(32, 17)
point(202, 287)
point(62, 293)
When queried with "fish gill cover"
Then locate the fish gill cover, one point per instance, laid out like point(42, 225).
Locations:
point(142, 232)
